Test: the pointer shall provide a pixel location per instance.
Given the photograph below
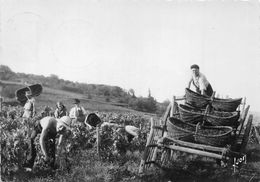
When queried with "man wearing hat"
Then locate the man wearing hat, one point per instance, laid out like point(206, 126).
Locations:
point(77, 113)
point(48, 127)
point(29, 107)
point(200, 81)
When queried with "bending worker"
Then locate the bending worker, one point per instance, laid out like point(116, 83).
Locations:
point(48, 127)
point(130, 131)
point(200, 82)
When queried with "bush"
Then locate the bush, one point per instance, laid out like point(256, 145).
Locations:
point(72, 89)
point(107, 99)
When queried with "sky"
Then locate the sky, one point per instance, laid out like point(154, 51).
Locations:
point(144, 44)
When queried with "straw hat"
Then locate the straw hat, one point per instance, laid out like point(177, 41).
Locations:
point(132, 130)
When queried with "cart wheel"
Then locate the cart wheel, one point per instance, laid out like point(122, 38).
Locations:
point(150, 151)
point(246, 134)
point(166, 162)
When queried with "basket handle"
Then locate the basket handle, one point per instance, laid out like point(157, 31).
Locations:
point(197, 128)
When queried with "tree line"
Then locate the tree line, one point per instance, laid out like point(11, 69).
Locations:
point(109, 93)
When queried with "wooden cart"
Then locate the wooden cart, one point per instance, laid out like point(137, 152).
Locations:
point(160, 147)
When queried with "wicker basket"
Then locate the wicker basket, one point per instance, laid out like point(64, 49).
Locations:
point(190, 115)
point(177, 129)
point(195, 99)
point(35, 89)
point(228, 105)
point(218, 118)
point(218, 136)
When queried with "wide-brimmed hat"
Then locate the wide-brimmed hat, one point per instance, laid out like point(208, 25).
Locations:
point(65, 121)
point(132, 130)
point(76, 101)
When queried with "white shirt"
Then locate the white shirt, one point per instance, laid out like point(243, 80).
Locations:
point(200, 81)
point(29, 108)
point(74, 112)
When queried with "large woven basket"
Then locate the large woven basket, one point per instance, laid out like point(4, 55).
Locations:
point(35, 89)
point(177, 129)
point(218, 118)
point(228, 105)
point(190, 115)
point(195, 99)
point(218, 136)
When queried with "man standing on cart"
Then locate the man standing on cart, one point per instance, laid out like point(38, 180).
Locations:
point(200, 81)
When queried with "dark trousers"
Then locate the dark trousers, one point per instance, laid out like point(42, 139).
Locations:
point(209, 90)
point(50, 147)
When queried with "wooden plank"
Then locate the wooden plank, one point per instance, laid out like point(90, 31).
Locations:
point(98, 142)
point(243, 104)
point(165, 117)
point(172, 107)
point(146, 151)
point(247, 133)
point(1, 103)
point(257, 134)
point(158, 135)
point(195, 151)
point(177, 98)
point(167, 112)
point(198, 146)
point(242, 120)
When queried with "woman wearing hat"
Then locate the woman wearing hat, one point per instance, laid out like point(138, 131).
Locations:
point(29, 107)
point(77, 113)
point(48, 127)
point(200, 82)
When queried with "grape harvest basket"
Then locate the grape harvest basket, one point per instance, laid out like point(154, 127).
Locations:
point(166, 138)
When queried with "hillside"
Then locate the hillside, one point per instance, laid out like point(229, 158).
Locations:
point(50, 96)
point(94, 96)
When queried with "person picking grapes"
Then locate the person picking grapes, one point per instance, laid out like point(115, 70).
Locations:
point(48, 128)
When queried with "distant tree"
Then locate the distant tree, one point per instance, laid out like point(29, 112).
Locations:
point(144, 104)
point(107, 99)
point(6, 73)
point(117, 91)
point(106, 92)
point(149, 93)
point(166, 102)
point(132, 92)
point(53, 76)
point(151, 104)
